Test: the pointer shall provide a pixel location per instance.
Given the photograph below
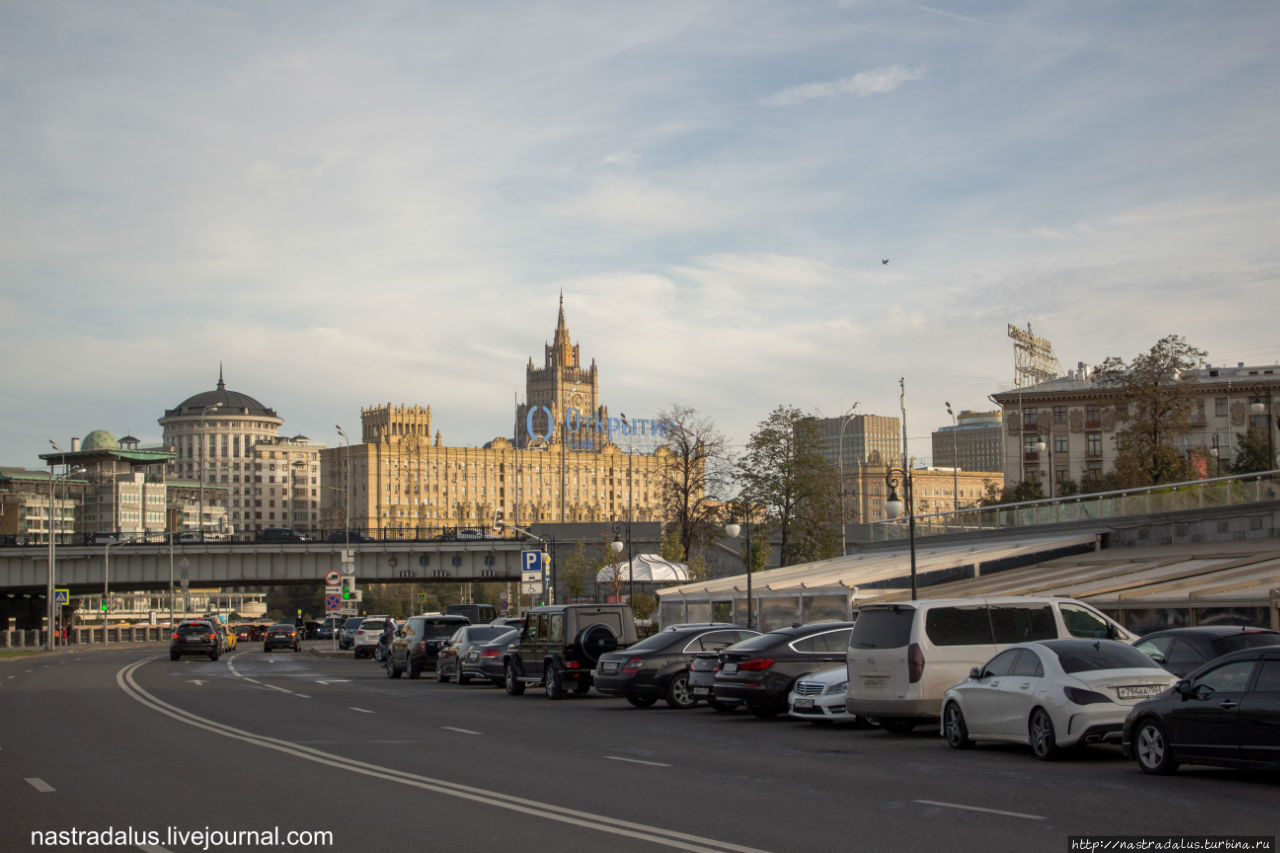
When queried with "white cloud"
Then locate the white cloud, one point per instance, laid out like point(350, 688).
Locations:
point(877, 81)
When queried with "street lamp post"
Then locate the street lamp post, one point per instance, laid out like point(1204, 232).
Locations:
point(52, 549)
point(106, 574)
point(617, 546)
point(346, 501)
point(631, 491)
point(1041, 446)
point(894, 477)
point(200, 520)
point(840, 460)
point(955, 462)
point(733, 529)
point(1258, 407)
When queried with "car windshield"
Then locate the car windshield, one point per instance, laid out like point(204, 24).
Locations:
point(1236, 642)
point(1085, 656)
point(438, 630)
point(660, 641)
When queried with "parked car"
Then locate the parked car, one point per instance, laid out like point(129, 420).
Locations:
point(330, 627)
point(478, 614)
point(1225, 713)
point(486, 661)
point(469, 533)
point(417, 644)
point(904, 655)
point(561, 643)
point(368, 633)
point(282, 636)
point(354, 536)
point(819, 698)
point(702, 678)
point(657, 667)
point(1052, 695)
point(1180, 650)
point(451, 655)
point(196, 637)
point(347, 638)
point(760, 671)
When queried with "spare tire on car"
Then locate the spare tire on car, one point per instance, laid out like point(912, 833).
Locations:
point(595, 640)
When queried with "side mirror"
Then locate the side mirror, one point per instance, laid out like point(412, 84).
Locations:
point(976, 673)
point(1183, 688)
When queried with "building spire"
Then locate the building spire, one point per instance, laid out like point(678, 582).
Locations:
point(221, 385)
point(561, 347)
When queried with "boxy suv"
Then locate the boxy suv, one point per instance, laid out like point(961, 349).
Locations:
point(903, 656)
point(561, 643)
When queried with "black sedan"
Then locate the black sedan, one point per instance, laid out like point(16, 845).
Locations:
point(759, 672)
point(657, 667)
point(282, 637)
point(486, 661)
point(1181, 650)
point(1226, 713)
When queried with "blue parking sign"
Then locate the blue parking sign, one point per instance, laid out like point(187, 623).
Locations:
point(531, 561)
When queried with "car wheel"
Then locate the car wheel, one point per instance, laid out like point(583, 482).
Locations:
point(954, 727)
point(459, 677)
point(551, 682)
point(642, 701)
point(897, 725)
point(1044, 744)
point(173, 655)
point(413, 669)
point(861, 722)
point(678, 695)
point(1152, 750)
point(514, 685)
point(723, 707)
point(393, 671)
point(213, 655)
point(764, 712)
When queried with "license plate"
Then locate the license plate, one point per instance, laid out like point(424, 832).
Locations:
point(874, 682)
point(729, 668)
point(803, 704)
point(609, 666)
point(700, 691)
point(1138, 691)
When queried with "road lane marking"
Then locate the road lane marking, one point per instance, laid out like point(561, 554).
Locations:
point(636, 761)
point(40, 785)
point(980, 809)
point(361, 710)
point(459, 731)
point(657, 835)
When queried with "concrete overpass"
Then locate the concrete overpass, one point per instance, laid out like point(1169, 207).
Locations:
point(24, 571)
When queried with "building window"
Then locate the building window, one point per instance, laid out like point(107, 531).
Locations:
point(1093, 444)
point(1059, 444)
point(1060, 414)
point(1029, 419)
point(1220, 407)
point(1093, 415)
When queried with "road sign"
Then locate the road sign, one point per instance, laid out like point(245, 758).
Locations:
point(531, 588)
point(422, 598)
point(333, 590)
point(333, 602)
point(531, 561)
point(332, 577)
point(61, 596)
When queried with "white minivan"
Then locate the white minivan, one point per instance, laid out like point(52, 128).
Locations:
point(904, 655)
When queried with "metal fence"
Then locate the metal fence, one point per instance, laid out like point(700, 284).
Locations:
point(1170, 497)
point(35, 638)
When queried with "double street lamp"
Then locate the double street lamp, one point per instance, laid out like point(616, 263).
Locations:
point(51, 609)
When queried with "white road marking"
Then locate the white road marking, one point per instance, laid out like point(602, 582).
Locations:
point(636, 761)
point(459, 731)
point(361, 710)
point(302, 696)
point(980, 809)
point(197, 682)
point(489, 798)
point(40, 785)
point(334, 681)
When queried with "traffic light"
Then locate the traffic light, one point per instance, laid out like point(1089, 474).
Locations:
point(348, 587)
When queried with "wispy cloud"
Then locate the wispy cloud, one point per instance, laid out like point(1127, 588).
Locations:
point(877, 81)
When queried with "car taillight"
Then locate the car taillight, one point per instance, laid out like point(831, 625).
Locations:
point(571, 664)
point(293, 634)
point(422, 647)
point(175, 636)
point(915, 663)
point(633, 666)
point(489, 653)
point(755, 665)
point(213, 636)
point(1084, 697)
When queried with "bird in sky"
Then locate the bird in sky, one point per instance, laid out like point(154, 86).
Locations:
point(885, 261)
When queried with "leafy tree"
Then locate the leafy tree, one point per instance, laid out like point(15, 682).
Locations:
point(697, 566)
point(1158, 404)
point(644, 605)
point(785, 473)
point(697, 474)
point(1252, 453)
point(1011, 493)
point(574, 574)
point(671, 548)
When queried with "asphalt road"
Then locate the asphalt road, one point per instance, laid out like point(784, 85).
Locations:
point(129, 741)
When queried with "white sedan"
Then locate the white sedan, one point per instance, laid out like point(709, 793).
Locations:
point(1051, 694)
point(819, 697)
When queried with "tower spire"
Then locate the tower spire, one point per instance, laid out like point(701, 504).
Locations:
point(221, 385)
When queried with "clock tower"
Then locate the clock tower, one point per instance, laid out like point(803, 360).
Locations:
point(559, 387)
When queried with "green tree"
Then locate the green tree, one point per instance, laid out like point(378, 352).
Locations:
point(694, 476)
point(574, 573)
point(644, 605)
point(785, 473)
point(1156, 403)
point(1011, 493)
point(671, 548)
point(1252, 453)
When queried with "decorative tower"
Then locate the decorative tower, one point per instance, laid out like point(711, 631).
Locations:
point(558, 388)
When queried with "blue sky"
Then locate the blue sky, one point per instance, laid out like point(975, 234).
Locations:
point(350, 204)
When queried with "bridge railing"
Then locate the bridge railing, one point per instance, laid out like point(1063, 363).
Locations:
point(34, 638)
point(1170, 497)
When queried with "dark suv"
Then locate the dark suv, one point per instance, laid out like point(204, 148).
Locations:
point(416, 646)
point(195, 638)
point(562, 642)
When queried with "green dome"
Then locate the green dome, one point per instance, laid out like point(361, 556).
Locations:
point(99, 439)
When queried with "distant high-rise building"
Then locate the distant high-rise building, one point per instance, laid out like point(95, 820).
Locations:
point(974, 443)
point(867, 440)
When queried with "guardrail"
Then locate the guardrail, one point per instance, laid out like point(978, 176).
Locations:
point(1170, 497)
point(35, 638)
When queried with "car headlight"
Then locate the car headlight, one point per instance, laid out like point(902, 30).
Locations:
point(837, 689)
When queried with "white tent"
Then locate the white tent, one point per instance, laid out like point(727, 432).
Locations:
point(649, 568)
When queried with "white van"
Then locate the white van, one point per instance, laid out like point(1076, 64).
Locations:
point(904, 655)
